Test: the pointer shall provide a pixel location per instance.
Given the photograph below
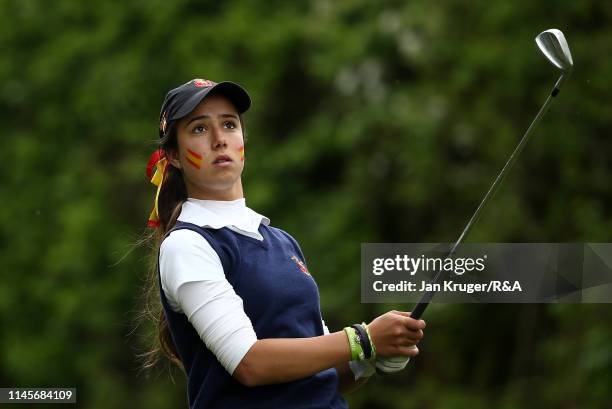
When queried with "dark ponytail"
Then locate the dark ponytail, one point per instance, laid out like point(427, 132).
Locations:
point(172, 195)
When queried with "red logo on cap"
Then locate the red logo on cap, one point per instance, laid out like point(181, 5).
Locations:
point(202, 83)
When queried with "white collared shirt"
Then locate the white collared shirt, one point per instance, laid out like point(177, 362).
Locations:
point(233, 214)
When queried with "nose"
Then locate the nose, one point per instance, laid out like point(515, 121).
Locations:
point(218, 138)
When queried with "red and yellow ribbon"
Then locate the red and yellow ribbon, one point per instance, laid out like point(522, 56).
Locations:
point(160, 162)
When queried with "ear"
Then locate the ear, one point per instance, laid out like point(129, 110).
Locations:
point(173, 158)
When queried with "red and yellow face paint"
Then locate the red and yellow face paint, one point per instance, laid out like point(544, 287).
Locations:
point(241, 151)
point(194, 158)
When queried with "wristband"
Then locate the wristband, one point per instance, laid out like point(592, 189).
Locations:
point(370, 339)
point(353, 339)
point(364, 341)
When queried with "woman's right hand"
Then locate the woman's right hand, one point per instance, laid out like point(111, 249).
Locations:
point(396, 334)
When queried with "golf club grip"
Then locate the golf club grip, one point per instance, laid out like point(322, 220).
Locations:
point(419, 309)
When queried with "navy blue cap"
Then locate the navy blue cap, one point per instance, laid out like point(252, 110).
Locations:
point(183, 99)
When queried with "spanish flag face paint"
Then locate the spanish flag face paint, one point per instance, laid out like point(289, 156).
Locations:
point(241, 151)
point(195, 159)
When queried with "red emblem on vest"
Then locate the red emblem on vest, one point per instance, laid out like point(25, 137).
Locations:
point(300, 264)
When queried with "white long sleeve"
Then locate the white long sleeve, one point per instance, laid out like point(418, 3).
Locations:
point(194, 282)
point(220, 320)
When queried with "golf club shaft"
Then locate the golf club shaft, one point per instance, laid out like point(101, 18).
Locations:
point(419, 309)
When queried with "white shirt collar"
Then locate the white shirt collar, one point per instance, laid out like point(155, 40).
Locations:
point(216, 214)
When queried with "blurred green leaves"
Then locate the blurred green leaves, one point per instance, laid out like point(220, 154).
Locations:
point(372, 122)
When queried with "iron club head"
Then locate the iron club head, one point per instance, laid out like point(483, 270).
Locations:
point(554, 46)
point(552, 43)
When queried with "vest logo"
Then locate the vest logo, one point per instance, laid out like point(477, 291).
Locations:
point(300, 264)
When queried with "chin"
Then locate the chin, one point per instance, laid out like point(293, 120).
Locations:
point(220, 185)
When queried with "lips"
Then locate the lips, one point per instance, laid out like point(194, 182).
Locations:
point(221, 159)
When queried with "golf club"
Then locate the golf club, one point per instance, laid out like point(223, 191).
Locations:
point(553, 45)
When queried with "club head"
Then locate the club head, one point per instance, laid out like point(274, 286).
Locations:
point(554, 46)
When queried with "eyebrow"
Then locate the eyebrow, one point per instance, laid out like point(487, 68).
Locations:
point(195, 118)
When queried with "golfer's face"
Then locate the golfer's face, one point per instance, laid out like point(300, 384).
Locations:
point(211, 147)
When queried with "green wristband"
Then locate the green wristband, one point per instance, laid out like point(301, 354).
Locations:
point(371, 342)
point(356, 350)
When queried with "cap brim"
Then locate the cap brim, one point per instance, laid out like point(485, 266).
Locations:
point(234, 92)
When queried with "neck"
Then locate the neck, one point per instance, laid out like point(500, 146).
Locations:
point(233, 193)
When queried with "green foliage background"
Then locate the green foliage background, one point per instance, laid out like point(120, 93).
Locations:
point(373, 121)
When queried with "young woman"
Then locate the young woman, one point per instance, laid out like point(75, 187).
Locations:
point(239, 310)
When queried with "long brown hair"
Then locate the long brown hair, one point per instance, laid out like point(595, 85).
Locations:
point(172, 195)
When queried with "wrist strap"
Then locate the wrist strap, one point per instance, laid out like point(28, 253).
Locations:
point(364, 341)
point(370, 339)
point(354, 344)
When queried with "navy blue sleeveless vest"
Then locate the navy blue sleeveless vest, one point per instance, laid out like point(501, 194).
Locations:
point(282, 301)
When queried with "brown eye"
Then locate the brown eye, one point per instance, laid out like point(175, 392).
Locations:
point(199, 129)
point(229, 125)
